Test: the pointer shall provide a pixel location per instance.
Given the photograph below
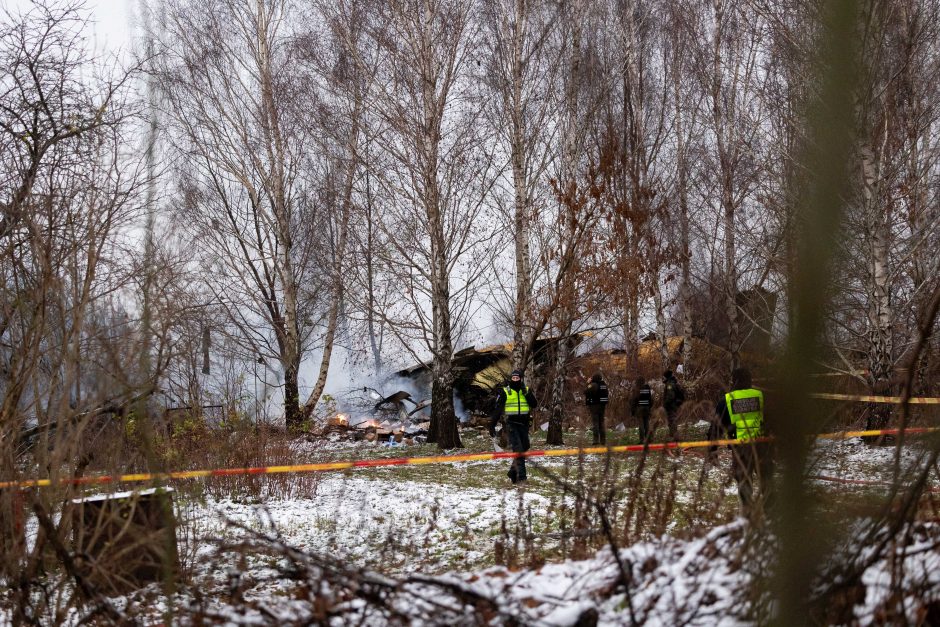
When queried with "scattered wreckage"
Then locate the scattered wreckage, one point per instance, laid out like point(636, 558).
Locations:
point(389, 420)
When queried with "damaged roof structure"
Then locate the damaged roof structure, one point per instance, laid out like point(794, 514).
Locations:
point(478, 371)
point(649, 358)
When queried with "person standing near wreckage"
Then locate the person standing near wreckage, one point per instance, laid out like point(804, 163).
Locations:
point(673, 397)
point(741, 416)
point(515, 401)
point(596, 397)
point(641, 405)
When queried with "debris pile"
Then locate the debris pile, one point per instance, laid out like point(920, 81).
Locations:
point(373, 429)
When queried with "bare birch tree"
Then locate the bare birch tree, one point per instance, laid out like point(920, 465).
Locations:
point(66, 193)
point(346, 72)
point(634, 129)
point(685, 107)
point(728, 71)
point(238, 124)
point(889, 220)
point(918, 105)
point(576, 191)
point(521, 68)
point(435, 178)
point(68, 197)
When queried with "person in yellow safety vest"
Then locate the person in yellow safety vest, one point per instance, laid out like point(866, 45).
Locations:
point(515, 401)
point(741, 416)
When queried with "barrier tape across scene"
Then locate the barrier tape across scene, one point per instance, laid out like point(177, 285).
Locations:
point(893, 400)
point(419, 461)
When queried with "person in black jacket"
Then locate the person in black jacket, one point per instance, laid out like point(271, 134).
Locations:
point(641, 405)
point(515, 401)
point(673, 397)
point(596, 397)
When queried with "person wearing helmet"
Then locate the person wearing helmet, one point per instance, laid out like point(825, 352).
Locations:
point(741, 417)
point(515, 401)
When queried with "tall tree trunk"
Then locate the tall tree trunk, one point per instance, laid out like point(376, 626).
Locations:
point(351, 155)
point(723, 128)
point(521, 213)
point(331, 325)
point(731, 283)
point(443, 428)
point(924, 267)
point(635, 172)
point(293, 417)
point(880, 353)
point(660, 323)
point(556, 418)
point(631, 332)
point(685, 249)
point(569, 168)
point(431, 148)
point(520, 44)
point(375, 343)
point(290, 345)
point(290, 351)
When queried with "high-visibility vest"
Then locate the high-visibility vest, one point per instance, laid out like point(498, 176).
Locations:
point(746, 409)
point(516, 403)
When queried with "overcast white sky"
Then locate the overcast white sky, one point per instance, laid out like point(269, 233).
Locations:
point(112, 31)
point(113, 21)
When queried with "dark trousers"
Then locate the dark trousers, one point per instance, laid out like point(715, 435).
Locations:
point(519, 443)
point(748, 460)
point(643, 418)
point(672, 416)
point(597, 420)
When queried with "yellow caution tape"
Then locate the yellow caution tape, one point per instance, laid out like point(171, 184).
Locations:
point(436, 459)
point(894, 400)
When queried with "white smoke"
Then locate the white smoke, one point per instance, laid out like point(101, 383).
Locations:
point(459, 409)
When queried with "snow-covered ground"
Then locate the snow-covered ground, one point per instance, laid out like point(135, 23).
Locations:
point(383, 523)
point(853, 460)
point(399, 527)
point(671, 581)
point(253, 560)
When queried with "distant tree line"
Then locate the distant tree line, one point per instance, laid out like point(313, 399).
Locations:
point(383, 175)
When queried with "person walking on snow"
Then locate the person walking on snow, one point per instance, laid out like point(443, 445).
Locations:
point(741, 416)
point(516, 402)
point(596, 397)
point(673, 397)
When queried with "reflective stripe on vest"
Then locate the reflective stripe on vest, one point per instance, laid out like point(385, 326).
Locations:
point(516, 402)
point(746, 409)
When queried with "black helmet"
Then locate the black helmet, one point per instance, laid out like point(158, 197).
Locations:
point(740, 378)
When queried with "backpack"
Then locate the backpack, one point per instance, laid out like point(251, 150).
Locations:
point(603, 394)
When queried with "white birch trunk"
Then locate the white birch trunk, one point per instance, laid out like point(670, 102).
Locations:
point(880, 362)
point(660, 324)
